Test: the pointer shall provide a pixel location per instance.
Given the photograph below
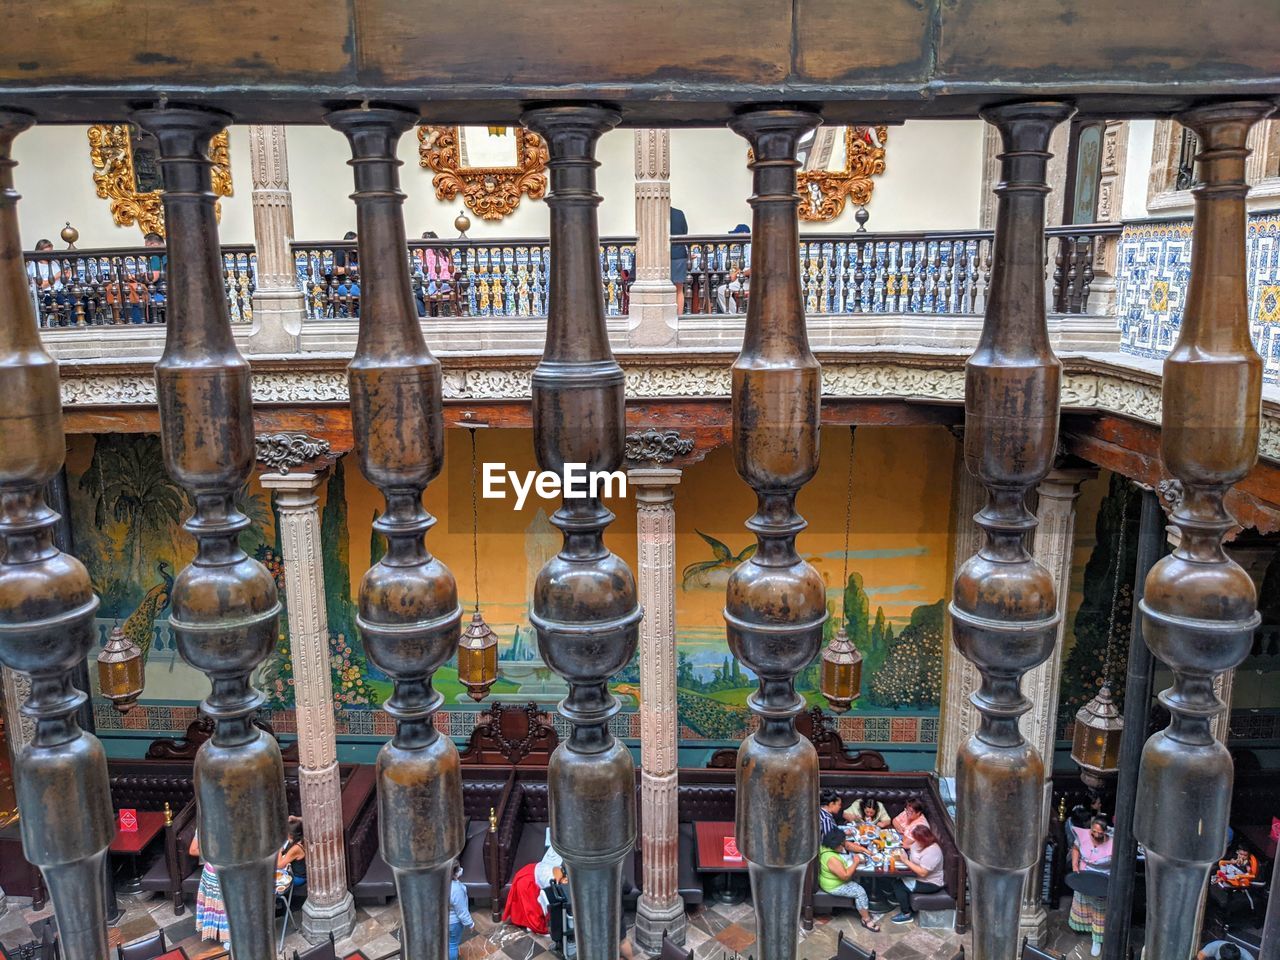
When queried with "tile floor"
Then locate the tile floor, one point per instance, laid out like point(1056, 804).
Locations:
point(715, 932)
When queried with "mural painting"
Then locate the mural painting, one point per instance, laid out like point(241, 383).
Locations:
point(127, 518)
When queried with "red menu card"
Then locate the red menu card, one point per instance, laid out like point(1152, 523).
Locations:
point(731, 849)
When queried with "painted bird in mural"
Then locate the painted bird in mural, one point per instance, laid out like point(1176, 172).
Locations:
point(723, 559)
point(140, 627)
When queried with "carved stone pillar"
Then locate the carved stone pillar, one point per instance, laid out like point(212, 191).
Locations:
point(278, 307)
point(17, 688)
point(1054, 542)
point(660, 910)
point(329, 907)
point(1115, 151)
point(960, 677)
point(653, 296)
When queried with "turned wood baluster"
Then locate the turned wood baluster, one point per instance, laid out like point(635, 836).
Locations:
point(1004, 612)
point(584, 600)
point(225, 610)
point(408, 609)
point(1200, 607)
point(47, 607)
point(776, 602)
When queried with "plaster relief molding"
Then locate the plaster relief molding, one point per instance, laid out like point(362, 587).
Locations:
point(1088, 383)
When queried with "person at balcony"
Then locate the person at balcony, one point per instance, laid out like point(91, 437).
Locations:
point(459, 911)
point(925, 861)
point(1091, 854)
point(838, 860)
point(868, 810)
point(45, 278)
point(829, 805)
point(735, 286)
point(910, 820)
point(346, 261)
point(679, 256)
point(437, 272)
point(527, 904)
point(211, 912)
point(155, 262)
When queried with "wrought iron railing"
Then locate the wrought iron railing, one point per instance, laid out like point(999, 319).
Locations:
point(469, 278)
point(120, 286)
point(936, 273)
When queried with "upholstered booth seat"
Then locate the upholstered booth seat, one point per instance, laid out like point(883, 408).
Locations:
point(688, 880)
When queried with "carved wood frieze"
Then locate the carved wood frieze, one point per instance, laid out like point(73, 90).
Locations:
point(284, 451)
point(115, 176)
point(490, 192)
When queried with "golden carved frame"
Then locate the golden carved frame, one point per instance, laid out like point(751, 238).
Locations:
point(853, 184)
point(111, 151)
point(491, 192)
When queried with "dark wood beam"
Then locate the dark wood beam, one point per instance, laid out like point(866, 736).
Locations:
point(692, 62)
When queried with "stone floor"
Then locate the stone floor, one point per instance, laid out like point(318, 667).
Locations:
point(716, 932)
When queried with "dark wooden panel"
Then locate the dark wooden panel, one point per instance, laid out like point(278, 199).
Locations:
point(98, 43)
point(557, 42)
point(1062, 42)
point(842, 42)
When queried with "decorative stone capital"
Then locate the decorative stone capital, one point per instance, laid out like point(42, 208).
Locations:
point(657, 446)
point(284, 451)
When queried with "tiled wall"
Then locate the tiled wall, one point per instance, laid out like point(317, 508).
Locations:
point(1152, 269)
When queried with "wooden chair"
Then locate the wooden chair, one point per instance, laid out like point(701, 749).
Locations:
point(848, 950)
point(144, 948)
point(1030, 952)
point(671, 951)
point(324, 950)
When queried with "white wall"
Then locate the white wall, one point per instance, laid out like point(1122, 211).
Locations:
point(1137, 169)
point(932, 181)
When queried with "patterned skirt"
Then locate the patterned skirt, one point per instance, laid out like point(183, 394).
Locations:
point(1088, 915)
point(211, 913)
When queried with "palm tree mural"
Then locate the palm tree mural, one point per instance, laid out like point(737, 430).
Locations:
point(128, 482)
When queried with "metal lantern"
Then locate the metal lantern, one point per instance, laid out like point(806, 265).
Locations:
point(478, 658)
point(1095, 749)
point(841, 672)
point(120, 669)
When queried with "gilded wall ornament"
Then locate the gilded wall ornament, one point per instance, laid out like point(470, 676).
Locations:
point(125, 173)
point(823, 193)
point(491, 192)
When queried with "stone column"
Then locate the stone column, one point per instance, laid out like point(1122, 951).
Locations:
point(960, 676)
point(1115, 152)
point(329, 907)
point(653, 296)
point(278, 307)
point(660, 908)
point(1054, 544)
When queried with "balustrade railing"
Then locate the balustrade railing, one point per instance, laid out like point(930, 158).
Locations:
point(119, 286)
point(460, 278)
point(936, 273)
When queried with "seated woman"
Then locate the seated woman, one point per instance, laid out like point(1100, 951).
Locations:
point(910, 820)
point(527, 904)
point(291, 853)
point(868, 810)
point(1091, 854)
point(926, 862)
point(837, 864)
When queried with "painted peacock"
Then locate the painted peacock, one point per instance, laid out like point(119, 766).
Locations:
point(140, 627)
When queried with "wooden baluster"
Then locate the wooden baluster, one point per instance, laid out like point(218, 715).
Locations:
point(224, 607)
point(776, 602)
point(858, 248)
point(47, 608)
point(408, 609)
point(1085, 252)
point(584, 599)
point(1004, 612)
point(1200, 607)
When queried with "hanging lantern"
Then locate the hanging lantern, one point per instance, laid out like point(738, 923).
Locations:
point(1095, 748)
point(120, 671)
point(478, 658)
point(841, 672)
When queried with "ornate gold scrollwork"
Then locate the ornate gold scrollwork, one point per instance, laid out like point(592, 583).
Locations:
point(823, 193)
point(111, 150)
point(491, 192)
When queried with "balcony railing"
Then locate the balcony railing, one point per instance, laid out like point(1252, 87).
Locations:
point(468, 278)
point(124, 285)
point(933, 273)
